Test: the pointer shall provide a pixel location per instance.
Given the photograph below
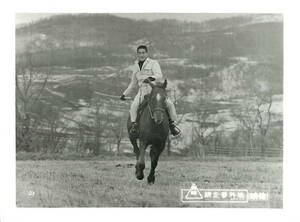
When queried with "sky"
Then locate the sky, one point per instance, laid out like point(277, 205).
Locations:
point(199, 17)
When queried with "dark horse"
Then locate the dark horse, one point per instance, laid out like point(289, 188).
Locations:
point(153, 125)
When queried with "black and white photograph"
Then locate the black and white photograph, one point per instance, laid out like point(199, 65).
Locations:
point(149, 110)
point(129, 110)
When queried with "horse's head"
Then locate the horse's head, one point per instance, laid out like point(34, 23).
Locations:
point(158, 101)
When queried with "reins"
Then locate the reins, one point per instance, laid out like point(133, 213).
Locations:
point(156, 109)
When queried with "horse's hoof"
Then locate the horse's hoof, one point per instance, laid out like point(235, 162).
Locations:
point(139, 171)
point(140, 176)
point(151, 180)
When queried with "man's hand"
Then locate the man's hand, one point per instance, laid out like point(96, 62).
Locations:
point(122, 97)
point(149, 79)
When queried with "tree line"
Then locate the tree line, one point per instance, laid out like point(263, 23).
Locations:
point(44, 127)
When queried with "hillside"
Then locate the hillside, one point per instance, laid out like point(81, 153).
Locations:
point(89, 40)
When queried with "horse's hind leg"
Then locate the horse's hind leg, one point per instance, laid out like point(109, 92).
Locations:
point(154, 154)
point(140, 164)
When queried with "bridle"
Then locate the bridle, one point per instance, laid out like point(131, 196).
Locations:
point(155, 110)
point(158, 109)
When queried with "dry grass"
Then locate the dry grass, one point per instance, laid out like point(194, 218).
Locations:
point(111, 183)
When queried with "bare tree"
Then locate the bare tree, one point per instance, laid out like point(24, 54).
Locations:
point(116, 127)
point(202, 128)
point(57, 131)
point(261, 93)
point(100, 124)
point(30, 85)
point(80, 138)
point(246, 116)
point(83, 130)
point(263, 108)
point(235, 137)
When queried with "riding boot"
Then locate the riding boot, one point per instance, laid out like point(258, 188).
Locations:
point(174, 129)
point(134, 129)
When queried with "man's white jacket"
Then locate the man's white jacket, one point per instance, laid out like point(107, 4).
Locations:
point(150, 68)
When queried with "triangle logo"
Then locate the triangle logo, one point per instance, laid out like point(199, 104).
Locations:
point(193, 193)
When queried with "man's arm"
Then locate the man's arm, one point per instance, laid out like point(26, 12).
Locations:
point(157, 74)
point(133, 83)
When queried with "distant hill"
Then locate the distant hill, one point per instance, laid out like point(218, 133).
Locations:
point(219, 53)
point(236, 36)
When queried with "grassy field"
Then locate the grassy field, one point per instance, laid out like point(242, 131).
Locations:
point(111, 183)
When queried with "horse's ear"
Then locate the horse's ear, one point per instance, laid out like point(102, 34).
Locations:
point(165, 84)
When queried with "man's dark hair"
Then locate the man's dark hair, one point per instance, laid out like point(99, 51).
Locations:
point(142, 47)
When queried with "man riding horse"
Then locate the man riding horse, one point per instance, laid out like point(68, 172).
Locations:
point(144, 71)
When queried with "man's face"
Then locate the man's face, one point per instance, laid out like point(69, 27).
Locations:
point(142, 54)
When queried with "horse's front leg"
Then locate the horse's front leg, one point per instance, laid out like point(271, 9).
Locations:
point(140, 164)
point(154, 154)
point(135, 148)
